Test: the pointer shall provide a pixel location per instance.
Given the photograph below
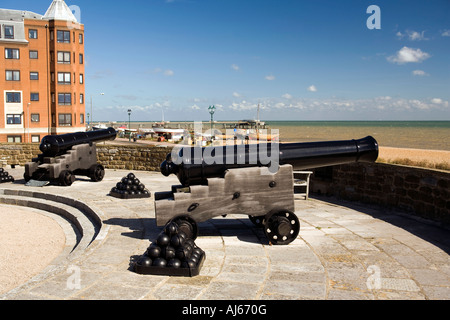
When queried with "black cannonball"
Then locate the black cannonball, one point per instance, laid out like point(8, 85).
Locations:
point(183, 253)
point(136, 181)
point(145, 192)
point(131, 175)
point(163, 240)
point(168, 253)
point(145, 261)
point(171, 229)
point(195, 255)
point(159, 262)
point(182, 234)
point(198, 251)
point(141, 187)
point(177, 240)
point(188, 264)
point(134, 188)
point(194, 258)
point(154, 251)
point(174, 263)
point(124, 180)
point(114, 190)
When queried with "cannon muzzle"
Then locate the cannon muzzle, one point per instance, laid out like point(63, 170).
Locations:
point(194, 165)
point(53, 146)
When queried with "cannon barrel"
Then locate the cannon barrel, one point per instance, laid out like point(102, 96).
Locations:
point(194, 165)
point(55, 145)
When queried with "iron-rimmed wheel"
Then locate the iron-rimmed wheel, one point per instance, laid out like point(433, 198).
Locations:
point(97, 172)
point(66, 178)
point(258, 221)
point(187, 225)
point(281, 227)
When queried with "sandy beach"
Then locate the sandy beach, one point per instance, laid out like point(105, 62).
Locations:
point(29, 241)
point(415, 157)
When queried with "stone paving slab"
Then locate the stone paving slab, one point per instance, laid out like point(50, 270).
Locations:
point(344, 251)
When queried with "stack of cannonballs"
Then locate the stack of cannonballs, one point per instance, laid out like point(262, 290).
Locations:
point(173, 254)
point(5, 176)
point(129, 187)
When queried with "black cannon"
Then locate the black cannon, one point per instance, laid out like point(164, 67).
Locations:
point(64, 156)
point(256, 180)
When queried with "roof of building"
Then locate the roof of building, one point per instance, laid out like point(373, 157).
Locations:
point(18, 15)
point(59, 10)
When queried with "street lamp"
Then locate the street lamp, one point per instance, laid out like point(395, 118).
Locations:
point(129, 123)
point(211, 110)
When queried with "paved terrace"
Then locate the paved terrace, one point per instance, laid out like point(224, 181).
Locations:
point(344, 250)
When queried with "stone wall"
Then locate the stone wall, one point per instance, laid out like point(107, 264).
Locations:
point(421, 192)
point(145, 158)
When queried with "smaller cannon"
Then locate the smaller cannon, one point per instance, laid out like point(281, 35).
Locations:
point(64, 156)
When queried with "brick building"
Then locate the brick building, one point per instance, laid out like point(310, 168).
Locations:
point(41, 73)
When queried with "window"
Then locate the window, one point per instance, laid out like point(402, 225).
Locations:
point(81, 58)
point(81, 118)
point(9, 32)
point(12, 53)
point(34, 75)
point(80, 38)
point(13, 97)
point(81, 98)
point(13, 119)
point(81, 78)
point(33, 54)
point(65, 119)
point(14, 139)
point(12, 75)
point(63, 77)
point(64, 99)
point(35, 139)
point(35, 117)
point(63, 57)
point(34, 96)
point(32, 34)
point(63, 36)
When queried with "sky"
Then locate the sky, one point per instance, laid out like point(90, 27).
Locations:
point(298, 60)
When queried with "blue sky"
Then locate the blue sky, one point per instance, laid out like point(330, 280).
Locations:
point(300, 60)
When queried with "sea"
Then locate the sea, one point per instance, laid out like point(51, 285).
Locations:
point(430, 135)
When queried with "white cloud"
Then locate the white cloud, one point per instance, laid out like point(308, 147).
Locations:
point(236, 95)
point(195, 107)
point(169, 73)
point(446, 33)
point(235, 67)
point(420, 73)
point(412, 35)
point(270, 77)
point(312, 88)
point(287, 96)
point(408, 55)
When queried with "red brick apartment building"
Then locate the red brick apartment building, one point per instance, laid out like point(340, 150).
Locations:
point(41, 74)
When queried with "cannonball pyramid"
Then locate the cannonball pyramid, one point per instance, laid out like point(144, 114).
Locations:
point(129, 188)
point(174, 253)
point(5, 176)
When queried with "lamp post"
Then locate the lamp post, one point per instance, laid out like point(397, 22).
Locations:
point(129, 124)
point(211, 110)
point(92, 113)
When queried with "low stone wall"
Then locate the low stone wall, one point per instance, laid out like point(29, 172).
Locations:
point(145, 158)
point(421, 192)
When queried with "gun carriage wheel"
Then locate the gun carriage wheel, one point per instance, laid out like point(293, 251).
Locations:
point(97, 172)
point(281, 226)
point(66, 178)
